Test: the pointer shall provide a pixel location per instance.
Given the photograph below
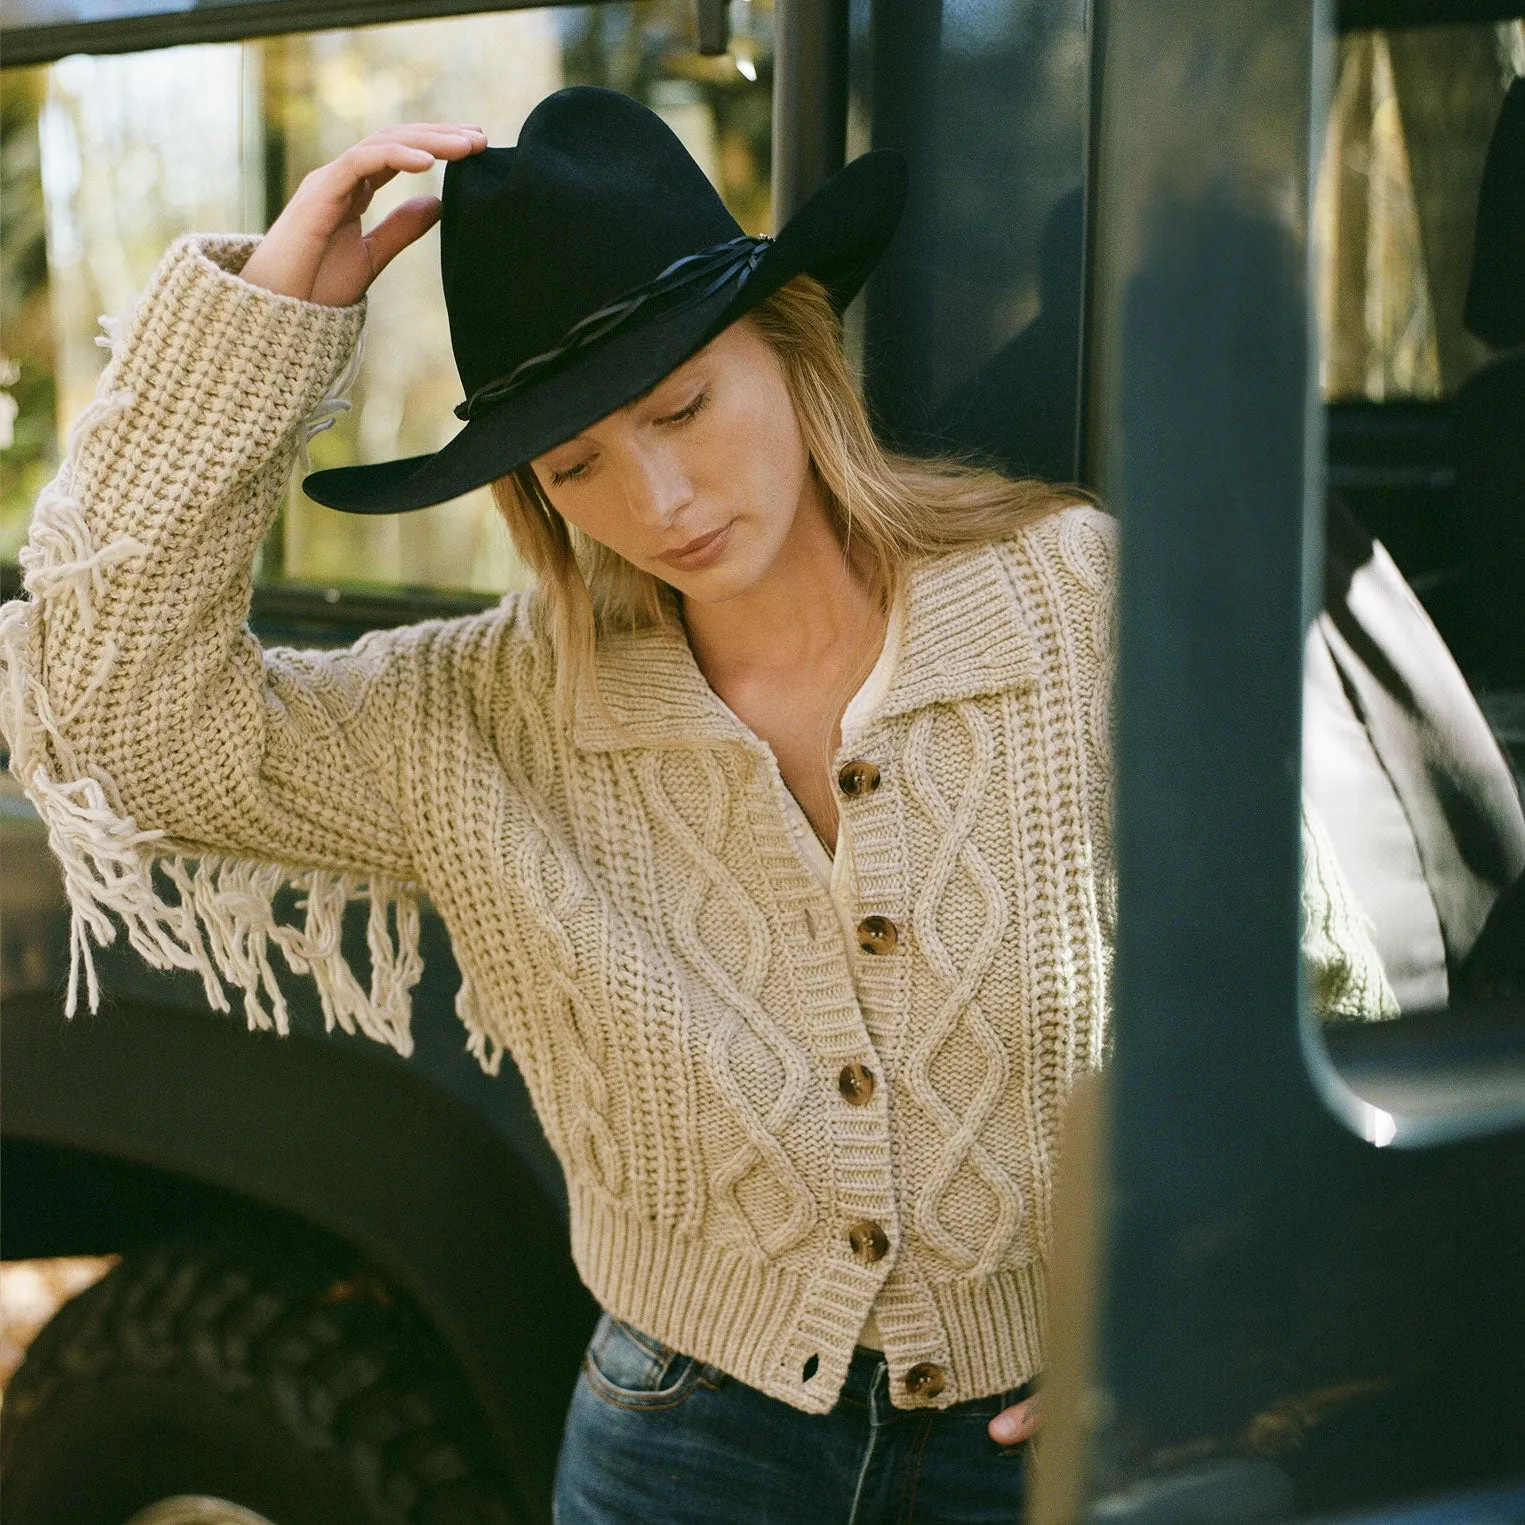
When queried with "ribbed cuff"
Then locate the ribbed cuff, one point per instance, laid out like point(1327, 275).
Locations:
point(218, 374)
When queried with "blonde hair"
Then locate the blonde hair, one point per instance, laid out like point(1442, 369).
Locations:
point(889, 510)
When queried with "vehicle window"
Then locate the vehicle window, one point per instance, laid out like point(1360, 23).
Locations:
point(1409, 125)
point(1414, 681)
point(40, 13)
point(107, 159)
point(973, 322)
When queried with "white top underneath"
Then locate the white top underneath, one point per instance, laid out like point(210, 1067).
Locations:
point(835, 870)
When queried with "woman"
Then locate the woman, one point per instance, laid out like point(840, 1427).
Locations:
point(771, 832)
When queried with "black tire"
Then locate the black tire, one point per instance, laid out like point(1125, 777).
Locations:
point(293, 1385)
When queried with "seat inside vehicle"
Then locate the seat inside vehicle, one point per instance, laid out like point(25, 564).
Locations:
point(1414, 684)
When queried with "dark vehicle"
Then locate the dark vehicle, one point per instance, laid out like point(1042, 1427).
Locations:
point(1290, 1263)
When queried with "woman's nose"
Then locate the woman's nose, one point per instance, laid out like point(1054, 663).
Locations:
point(659, 487)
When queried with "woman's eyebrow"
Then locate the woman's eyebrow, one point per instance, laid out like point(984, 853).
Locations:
point(677, 374)
point(673, 377)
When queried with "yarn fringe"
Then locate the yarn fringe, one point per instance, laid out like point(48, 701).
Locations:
point(209, 915)
point(333, 402)
point(481, 1044)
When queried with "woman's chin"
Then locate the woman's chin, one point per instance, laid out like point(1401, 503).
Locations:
point(740, 568)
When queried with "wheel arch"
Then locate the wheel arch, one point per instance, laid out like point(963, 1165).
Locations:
point(198, 1116)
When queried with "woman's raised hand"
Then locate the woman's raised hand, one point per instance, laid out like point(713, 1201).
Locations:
point(315, 249)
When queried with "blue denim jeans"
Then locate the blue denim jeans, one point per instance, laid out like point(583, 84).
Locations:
point(654, 1436)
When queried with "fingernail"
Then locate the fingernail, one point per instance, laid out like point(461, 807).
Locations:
point(1007, 1428)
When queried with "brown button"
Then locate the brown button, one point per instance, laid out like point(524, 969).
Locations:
point(858, 778)
point(924, 1380)
point(856, 1083)
point(869, 1241)
point(877, 934)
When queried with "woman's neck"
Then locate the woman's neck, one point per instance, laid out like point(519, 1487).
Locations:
point(812, 611)
point(786, 655)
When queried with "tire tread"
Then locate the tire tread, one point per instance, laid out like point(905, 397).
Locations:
point(353, 1376)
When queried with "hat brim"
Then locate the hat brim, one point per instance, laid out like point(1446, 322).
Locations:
point(837, 237)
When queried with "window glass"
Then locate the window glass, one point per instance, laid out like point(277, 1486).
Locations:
point(1414, 679)
point(973, 319)
point(106, 159)
point(1409, 124)
point(20, 14)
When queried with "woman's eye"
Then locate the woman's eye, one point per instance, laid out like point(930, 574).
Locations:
point(684, 414)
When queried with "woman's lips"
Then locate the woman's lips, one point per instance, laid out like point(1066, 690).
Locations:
point(701, 551)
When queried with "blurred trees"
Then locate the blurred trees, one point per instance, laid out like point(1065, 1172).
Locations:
point(1396, 204)
point(105, 160)
point(28, 449)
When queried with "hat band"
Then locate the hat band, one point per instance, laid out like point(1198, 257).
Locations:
point(713, 268)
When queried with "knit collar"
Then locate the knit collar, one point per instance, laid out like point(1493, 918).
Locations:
point(965, 634)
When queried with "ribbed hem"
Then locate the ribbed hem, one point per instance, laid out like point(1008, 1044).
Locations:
point(994, 1327)
point(705, 1300)
point(762, 1323)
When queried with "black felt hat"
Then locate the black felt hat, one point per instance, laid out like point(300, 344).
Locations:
point(583, 265)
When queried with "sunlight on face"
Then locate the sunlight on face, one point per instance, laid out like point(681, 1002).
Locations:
point(701, 481)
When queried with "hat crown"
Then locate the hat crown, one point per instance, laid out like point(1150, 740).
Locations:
point(599, 196)
point(586, 263)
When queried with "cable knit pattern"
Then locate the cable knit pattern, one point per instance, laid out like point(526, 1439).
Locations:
point(1342, 968)
point(635, 925)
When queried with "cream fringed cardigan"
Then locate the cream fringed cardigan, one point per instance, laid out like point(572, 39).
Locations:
point(635, 925)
